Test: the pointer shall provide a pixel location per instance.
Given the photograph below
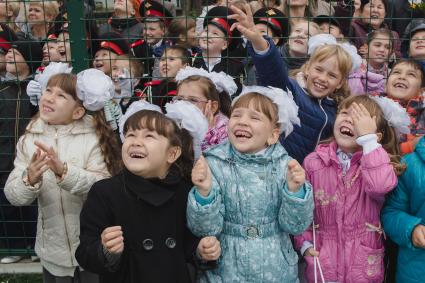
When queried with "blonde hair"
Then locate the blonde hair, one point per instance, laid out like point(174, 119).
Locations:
point(343, 59)
point(50, 8)
point(14, 6)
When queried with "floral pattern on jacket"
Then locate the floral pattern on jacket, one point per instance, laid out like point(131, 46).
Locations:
point(252, 213)
point(216, 134)
point(346, 215)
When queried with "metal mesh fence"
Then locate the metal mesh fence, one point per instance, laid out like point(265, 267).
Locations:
point(111, 36)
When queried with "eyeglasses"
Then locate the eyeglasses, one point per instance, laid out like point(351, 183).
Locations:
point(193, 100)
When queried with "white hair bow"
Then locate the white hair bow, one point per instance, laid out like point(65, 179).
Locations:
point(188, 116)
point(394, 113)
point(327, 39)
point(134, 108)
point(287, 108)
point(222, 81)
point(94, 88)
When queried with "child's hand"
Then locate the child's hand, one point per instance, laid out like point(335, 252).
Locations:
point(36, 168)
point(418, 236)
point(209, 114)
point(311, 252)
point(53, 160)
point(201, 176)
point(363, 50)
point(209, 248)
point(295, 177)
point(363, 123)
point(245, 25)
point(113, 240)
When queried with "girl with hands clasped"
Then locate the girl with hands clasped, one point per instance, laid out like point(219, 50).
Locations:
point(133, 225)
point(320, 85)
point(351, 176)
point(250, 194)
point(63, 152)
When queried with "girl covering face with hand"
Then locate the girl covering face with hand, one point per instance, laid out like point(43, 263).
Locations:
point(351, 176)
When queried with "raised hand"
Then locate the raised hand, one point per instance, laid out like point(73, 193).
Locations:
point(245, 25)
point(209, 248)
point(295, 177)
point(418, 236)
point(36, 168)
point(201, 176)
point(52, 158)
point(362, 121)
point(113, 240)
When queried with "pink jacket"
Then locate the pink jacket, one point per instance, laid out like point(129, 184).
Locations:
point(363, 82)
point(347, 211)
point(217, 134)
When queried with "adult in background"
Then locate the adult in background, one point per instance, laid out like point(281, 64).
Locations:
point(372, 16)
point(41, 16)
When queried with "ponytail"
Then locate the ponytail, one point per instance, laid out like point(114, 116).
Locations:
point(108, 143)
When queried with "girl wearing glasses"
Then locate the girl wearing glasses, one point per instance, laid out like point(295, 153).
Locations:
point(211, 93)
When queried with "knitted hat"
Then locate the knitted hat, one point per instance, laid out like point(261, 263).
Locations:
point(31, 51)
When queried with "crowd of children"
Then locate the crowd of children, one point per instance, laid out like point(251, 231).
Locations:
point(265, 141)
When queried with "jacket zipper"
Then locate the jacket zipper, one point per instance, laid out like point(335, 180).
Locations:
point(324, 125)
point(61, 203)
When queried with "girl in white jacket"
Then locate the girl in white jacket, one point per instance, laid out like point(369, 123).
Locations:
point(63, 152)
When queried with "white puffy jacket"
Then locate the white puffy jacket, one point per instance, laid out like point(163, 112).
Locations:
point(59, 203)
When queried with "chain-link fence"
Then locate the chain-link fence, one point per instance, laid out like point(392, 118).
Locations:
point(142, 45)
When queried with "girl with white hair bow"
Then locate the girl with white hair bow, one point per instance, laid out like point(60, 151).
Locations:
point(323, 84)
point(211, 93)
point(63, 152)
point(133, 225)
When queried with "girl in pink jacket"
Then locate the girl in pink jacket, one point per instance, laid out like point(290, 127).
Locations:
point(374, 71)
point(350, 176)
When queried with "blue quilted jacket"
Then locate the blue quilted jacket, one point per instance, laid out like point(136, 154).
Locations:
point(252, 213)
point(317, 115)
point(403, 210)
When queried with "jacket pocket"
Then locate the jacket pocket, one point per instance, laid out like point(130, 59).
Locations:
point(368, 265)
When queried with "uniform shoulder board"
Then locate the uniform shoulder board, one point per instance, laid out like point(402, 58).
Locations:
point(137, 43)
point(153, 83)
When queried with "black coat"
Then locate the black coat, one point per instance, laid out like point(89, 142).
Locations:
point(230, 66)
point(152, 214)
point(15, 113)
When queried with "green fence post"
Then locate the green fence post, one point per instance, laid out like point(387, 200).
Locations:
point(77, 35)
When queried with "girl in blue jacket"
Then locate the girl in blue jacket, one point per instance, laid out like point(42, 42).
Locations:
point(321, 84)
point(403, 217)
point(250, 194)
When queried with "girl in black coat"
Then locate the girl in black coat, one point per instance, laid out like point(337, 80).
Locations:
point(133, 225)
